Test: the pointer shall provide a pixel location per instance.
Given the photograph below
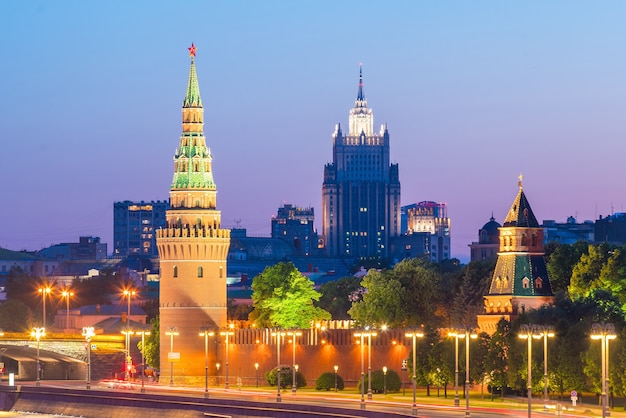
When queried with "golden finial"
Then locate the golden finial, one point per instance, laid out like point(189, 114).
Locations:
point(520, 177)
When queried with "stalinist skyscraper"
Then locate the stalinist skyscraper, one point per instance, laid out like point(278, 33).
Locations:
point(192, 248)
point(361, 189)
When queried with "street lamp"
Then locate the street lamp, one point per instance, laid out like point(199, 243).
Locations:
point(278, 334)
point(44, 291)
point(456, 336)
point(217, 374)
point(88, 332)
point(293, 335)
point(545, 331)
point(128, 293)
point(143, 334)
point(385, 380)
point(336, 370)
point(414, 335)
point(256, 368)
point(229, 331)
point(604, 333)
point(127, 333)
point(369, 334)
point(172, 332)
point(67, 294)
point(206, 333)
point(38, 333)
point(527, 332)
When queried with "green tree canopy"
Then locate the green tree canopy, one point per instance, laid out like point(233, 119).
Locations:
point(283, 297)
point(336, 296)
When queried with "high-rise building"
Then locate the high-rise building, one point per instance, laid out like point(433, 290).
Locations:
point(520, 281)
point(361, 189)
point(134, 224)
point(193, 248)
point(431, 218)
point(297, 227)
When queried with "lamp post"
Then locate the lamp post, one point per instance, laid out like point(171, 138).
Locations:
point(545, 331)
point(172, 332)
point(278, 334)
point(229, 331)
point(256, 368)
point(128, 362)
point(293, 335)
point(336, 370)
point(414, 335)
point(206, 333)
point(128, 293)
point(217, 374)
point(365, 333)
point(385, 380)
point(67, 294)
point(456, 336)
point(88, 332)
point(38, 333)
point(44, 291)
point(143, 334)
point(527, 332)
point(604, 333)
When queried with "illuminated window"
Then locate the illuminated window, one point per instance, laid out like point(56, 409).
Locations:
point(525, 283)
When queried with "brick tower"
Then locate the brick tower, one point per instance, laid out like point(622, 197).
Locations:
point(520, 280)
point(192, 248)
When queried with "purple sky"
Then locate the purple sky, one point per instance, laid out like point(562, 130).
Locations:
point(474, 93)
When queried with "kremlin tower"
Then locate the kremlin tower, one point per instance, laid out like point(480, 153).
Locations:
point(192, 247)
point(520, 280)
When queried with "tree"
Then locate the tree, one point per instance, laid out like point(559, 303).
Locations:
point(336, 296)
point(153, 346)
point(468, 300)
point(15, 316)
point(380, 304)
point(282, 297)
point(561, 262)
point(586, 272)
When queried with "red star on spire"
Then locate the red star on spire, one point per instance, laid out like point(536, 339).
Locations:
point(192, 50)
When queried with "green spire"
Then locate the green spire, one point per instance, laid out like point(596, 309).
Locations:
point(192, 99)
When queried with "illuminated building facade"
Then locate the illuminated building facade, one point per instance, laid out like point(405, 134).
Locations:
point(134, 226)
point(430, 218)
point(520, 280)
point(192, 246)
point(361, 189)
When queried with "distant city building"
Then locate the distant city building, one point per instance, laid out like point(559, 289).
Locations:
point(87, 248)
point(569, 232)
point(611, 229)
point(520, 281)
point(134, 226)
point(361, 189)
point(430, 218)
point(488, 242)
point(297, 227)
point(412, 245)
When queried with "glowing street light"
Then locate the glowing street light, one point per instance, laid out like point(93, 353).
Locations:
point(172, 332)
point(604, 333)
point(217, 374)
point(256, 368)
point(545, 332)
point(128, 363)
point(278, 335)
point(456, 336)
point(88, 333)
point(369, 334)
point(206, 333)
point(44, 291)
point(385, 380)
point(466, 334)
point(127, 294)
point(527, 332)
point(38, 334)
point(229, 331)
point(293, 335)
point(336, 367)
point(143, 334)
point(414, 335)
point(67, 294)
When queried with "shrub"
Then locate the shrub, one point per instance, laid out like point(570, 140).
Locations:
point(327, 382)
point(286, 377)
point(394, 384)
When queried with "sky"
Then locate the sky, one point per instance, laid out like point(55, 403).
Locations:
point(473, 93)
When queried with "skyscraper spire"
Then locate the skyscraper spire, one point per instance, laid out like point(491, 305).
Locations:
point(192, 98)
point(360, 97)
